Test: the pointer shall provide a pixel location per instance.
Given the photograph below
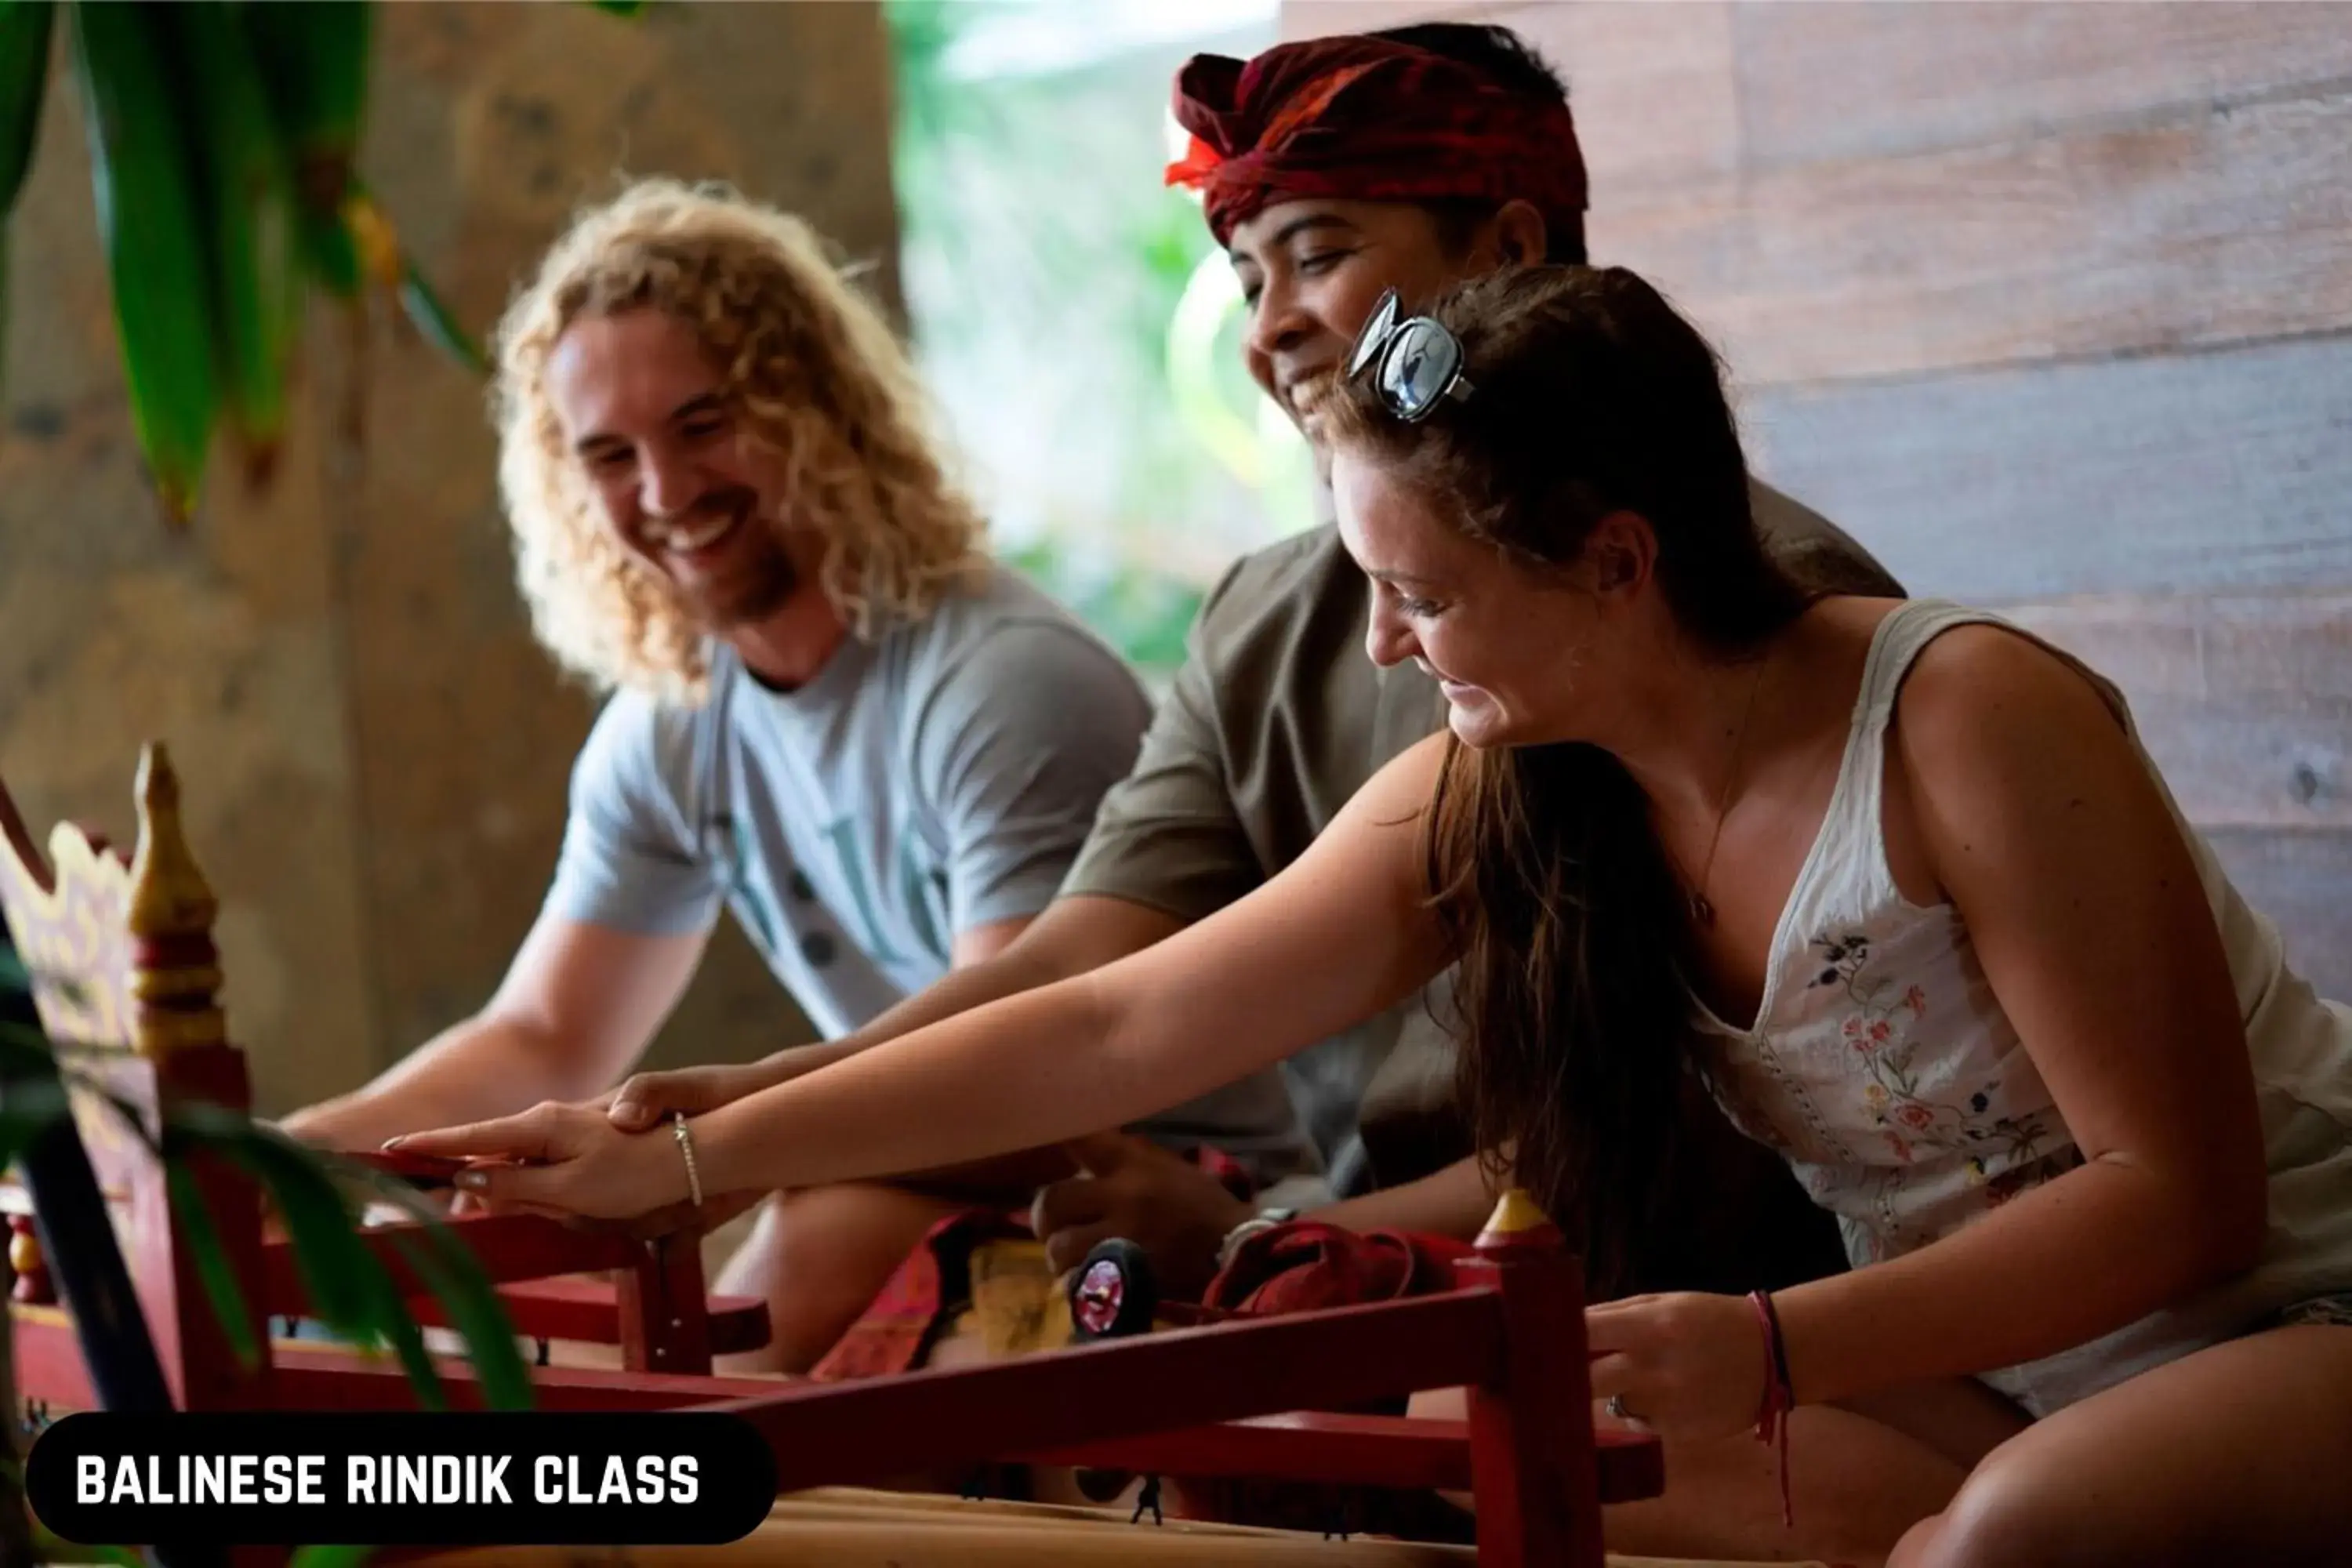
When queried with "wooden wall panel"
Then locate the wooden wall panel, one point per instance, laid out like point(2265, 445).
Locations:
point(1912, 77)
point(1317, 18)
point(2244, 700)
point(2299, 881)
point(1651, 85)
point(2167, 474)
point(2215, 228)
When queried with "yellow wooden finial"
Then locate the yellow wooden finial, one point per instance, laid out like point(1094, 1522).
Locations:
point(1516, 1213)
point(175, 970)
point(24, 1251)
point(169, 896)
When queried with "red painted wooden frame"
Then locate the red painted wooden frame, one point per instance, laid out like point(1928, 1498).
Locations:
point(1252, 1398)
point(121, 950)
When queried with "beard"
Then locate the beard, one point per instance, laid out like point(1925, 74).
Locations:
point(754, 574)
point(753, 591)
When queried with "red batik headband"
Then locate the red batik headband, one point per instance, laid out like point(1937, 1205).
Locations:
point(1367, 119)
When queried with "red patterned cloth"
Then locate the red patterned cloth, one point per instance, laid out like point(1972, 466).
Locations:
point(1370, 119)
point(1306, 1266)
point(1295, 1268)
point(920, 1301)
point(933, 1286)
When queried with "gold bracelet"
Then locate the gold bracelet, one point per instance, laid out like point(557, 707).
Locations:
point(686, 1147)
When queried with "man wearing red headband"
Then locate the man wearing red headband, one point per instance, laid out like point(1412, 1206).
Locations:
point(1395, 117)
point(1332, 171)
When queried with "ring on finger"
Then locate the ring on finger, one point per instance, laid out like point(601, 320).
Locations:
point(1616, 1406)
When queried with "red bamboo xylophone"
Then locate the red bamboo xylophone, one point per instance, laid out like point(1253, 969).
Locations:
point(125, 955)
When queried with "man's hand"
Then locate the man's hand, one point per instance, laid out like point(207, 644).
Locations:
point(326, 1125)
point(646, 1099)
point(1129, 1187)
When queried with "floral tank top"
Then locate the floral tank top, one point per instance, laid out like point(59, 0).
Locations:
point(1882, 1066)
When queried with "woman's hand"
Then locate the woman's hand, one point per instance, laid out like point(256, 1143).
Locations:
point(568, 1158)
point(1684, 1366)
point(646, 1099)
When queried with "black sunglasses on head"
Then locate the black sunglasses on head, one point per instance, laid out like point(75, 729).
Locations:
point(1417, 363)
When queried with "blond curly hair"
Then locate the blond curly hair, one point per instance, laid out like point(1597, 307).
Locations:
point(811, 367)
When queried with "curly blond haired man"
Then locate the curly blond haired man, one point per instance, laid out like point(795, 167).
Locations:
point(829, 711)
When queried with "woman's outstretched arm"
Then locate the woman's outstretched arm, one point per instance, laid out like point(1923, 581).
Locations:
point(1341, 934)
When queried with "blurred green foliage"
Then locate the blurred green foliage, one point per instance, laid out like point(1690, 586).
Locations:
point(1044, 259)
point(222, 137)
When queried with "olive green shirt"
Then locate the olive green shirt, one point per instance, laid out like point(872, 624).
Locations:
point(1279, 716)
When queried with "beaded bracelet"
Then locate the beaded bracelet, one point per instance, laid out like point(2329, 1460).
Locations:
point(1773, 1417)
point(686, 1147)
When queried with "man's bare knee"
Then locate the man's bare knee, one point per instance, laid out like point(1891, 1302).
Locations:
point(819, 1255)
point(827, 1221)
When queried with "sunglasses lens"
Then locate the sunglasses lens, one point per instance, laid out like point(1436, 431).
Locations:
point(1377, 328)
point(1418, 368)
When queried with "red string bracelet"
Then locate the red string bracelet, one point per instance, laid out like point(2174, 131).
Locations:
point(1772, 1418)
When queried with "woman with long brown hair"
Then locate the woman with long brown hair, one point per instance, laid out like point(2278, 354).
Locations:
point(1894, 880)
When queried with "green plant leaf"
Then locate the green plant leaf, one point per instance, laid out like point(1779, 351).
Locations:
point(330, 1556)
point(213, 1266)
point(24, 28)
point(313, 59)
point(433, 319)
point(21, 1047)
point(442, 1263)
point(50, 1547)
point(29, 1108)
point(328, 248)
point(24, 1051)
point(147, 218)
point(449, 1271)
point(499, 1371)
point(349, 1289)
point(246, 203)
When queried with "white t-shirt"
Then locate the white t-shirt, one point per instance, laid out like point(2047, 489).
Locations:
point(940, 778)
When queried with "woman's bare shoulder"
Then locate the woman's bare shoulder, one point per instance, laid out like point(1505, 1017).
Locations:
point(1993, 730)
point(1980, 680)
